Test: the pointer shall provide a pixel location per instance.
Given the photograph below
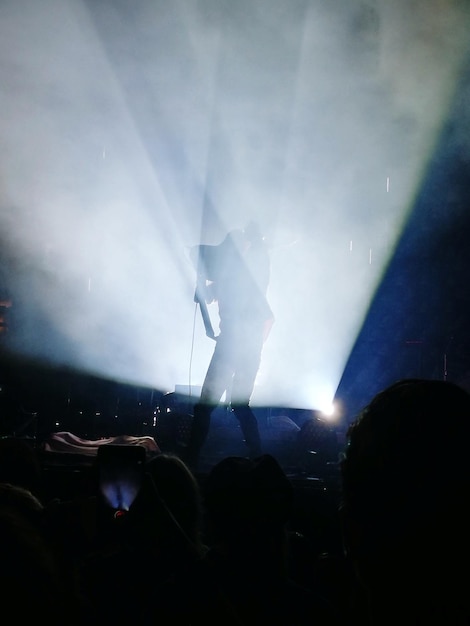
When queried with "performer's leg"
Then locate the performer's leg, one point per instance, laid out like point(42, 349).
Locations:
point(250, 430)
point(199, 431)
point(217, 379)
point(242, 389)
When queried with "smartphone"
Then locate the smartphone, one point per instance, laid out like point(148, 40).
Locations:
point(120, 473)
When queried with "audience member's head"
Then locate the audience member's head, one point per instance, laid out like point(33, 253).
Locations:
point(249, 504)
point(19, 464)
point(405, 483)
point(247, 501)
point(180, 491)
point(31, 587)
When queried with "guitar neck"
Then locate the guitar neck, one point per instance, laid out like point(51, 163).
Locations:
point(204, 313)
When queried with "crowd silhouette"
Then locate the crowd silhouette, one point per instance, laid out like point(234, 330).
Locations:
point(226, 547)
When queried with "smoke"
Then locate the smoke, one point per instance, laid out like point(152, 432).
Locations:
point(134, 130)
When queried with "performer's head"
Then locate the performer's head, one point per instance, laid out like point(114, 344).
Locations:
point(235, 242)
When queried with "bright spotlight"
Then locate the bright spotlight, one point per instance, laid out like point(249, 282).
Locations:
point(331, 412)
point(328, 411)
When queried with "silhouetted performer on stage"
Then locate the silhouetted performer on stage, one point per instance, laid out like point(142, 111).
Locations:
point(236, 275)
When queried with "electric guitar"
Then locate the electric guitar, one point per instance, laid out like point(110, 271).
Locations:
point(200, 299)
point(203, 258)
